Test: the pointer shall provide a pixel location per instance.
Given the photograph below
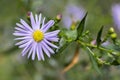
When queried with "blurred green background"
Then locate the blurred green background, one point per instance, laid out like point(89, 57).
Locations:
point(15, 67)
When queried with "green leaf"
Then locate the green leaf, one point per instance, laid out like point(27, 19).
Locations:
point(71, 35)
point(80, 27)
point(94, 60)
point(99, 36)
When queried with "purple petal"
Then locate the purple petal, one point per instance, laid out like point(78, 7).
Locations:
point(21, 26)
point(26, 49)
point(51, 34)
point(47, 25)
point(37, 22)
point(53, 39)
point(50, 44)
point(20, 34)
point(45, 50)
point(32, 20)
point(21, 30)
point(34, 51)
point(38, 53)
point(39, 19)
point(41, 52)
point(36, 18)
point(31, 50)
point(43, 22)
point(22, 42)
point(116, 15)
point(21, 38)
point(67, 21)
point(47, 47)
point(27, 43)
point(26, 25)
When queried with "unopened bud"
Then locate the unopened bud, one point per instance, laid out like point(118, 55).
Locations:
point(111, 30)
point(59, 17)
point(93, 42)
point(113, 35)
point(28, 15)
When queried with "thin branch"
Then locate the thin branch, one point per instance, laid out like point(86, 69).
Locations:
point(94, 46)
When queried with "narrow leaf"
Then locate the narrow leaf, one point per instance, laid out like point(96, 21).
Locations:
point(94, 61)
point(81, 26)
point(99, 36)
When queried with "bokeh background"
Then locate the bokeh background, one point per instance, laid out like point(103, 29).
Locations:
point(15, 67)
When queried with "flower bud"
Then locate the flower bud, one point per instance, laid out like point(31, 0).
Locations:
point(111, 30)
point(113, 35)
point(28, 15)
point(58, 17)
point(93, 42)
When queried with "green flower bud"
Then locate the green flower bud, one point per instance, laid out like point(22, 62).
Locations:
point(111, 30)
point(113, 35)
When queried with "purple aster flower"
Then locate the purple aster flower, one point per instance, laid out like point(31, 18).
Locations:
point(116, 15)
point(34, 39)
point(72, 14)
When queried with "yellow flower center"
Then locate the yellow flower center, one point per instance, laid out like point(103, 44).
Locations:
point(38, 35)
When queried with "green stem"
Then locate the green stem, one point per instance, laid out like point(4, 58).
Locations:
point(94, 46)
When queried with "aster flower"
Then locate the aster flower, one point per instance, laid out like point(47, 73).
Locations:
point(72, 15)
point(34, 38)
point(116, 15)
